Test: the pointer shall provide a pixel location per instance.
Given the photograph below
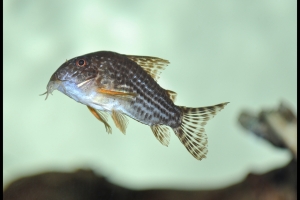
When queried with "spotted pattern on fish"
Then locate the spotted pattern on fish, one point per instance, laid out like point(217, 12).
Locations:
point(119, 85)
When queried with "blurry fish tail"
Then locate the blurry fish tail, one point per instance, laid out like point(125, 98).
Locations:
point(191, 132)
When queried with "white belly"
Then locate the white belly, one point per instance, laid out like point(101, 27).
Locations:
point(94, 99)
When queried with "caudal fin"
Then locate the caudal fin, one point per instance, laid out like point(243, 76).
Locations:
point(191, 132)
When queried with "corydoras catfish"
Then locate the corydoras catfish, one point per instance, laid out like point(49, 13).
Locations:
point(119, 85)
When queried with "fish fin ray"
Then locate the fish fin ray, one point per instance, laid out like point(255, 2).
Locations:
point(85, 83)
point(152, 65)
point(172, 95)
point(101, 116)
point(120, 120)
point(161, 132)
point(116, 92)
point(191, 132)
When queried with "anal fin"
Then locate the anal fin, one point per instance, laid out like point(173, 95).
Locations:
point(161, 132)
point(101, 117)
point(120, 121)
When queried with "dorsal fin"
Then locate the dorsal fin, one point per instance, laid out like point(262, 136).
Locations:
point(152, 65)
point(172, 95)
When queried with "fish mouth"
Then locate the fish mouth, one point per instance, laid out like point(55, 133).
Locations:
point(53, 84)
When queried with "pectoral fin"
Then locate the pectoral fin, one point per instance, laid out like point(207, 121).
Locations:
point(116, 93)
point(120, 120)
point(101, 117)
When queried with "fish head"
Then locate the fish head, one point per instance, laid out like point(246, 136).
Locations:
point(74, 71)
point(77, 70)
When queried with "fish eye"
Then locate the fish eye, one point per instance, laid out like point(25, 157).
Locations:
point(80, 62)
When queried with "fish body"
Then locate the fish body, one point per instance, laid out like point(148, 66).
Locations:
point(125, 85)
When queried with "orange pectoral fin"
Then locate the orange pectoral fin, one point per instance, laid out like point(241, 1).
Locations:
point(115, 93)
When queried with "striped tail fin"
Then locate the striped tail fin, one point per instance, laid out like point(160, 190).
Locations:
point(191, 132)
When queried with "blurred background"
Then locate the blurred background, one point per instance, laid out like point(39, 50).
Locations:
point(243, 52)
